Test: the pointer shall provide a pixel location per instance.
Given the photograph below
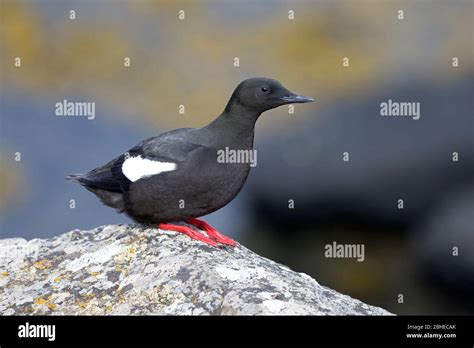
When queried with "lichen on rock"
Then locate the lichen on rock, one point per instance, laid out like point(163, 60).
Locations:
point(132, 270)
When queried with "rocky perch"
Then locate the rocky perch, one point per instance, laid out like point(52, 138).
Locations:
point(119, 269)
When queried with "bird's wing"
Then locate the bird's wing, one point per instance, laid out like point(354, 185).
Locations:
point(170, 147)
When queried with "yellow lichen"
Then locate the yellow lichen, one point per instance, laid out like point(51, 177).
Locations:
point(52, 306)
point(40, 301)
point(81, 304)
point(5, 274)
point(42, 264)
point(95, 274)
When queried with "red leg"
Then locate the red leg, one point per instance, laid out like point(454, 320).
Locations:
point(189, 232)
point(212, 232)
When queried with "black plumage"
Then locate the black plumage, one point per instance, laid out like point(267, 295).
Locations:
point(193, 182)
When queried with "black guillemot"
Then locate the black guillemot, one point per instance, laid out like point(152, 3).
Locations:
point(176, 176)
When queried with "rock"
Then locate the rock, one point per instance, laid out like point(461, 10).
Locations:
point(120, 269)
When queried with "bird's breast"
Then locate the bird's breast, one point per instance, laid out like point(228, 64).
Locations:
point(193, 189)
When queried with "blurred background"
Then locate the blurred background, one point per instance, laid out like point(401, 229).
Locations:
point(303, 44)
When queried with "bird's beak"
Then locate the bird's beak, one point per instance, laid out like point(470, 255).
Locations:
point(294, 98)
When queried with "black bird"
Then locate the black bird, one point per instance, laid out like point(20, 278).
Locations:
point(187, 173)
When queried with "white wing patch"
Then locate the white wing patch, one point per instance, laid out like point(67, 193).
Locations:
point(135, 168)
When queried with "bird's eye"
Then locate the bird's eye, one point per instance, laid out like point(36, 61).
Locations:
point(264, 89)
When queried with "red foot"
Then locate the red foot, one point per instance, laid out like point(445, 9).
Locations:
point(211, 231)
point(189, 232)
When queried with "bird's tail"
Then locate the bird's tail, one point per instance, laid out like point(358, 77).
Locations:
point(76, 178)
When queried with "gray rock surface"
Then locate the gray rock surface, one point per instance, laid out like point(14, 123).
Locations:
point(119, 269)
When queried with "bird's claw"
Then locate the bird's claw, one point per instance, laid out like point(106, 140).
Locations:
point(215, 238)
point(212, 232)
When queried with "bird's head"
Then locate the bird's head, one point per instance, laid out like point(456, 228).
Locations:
point(260, 94)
